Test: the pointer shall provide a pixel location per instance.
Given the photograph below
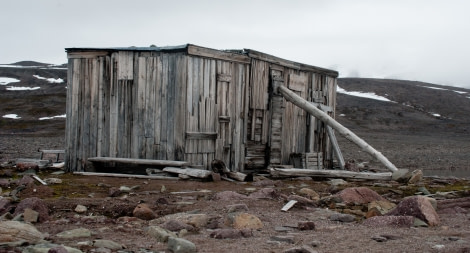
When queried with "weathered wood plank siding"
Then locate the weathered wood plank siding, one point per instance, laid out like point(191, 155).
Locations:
point(192, 104)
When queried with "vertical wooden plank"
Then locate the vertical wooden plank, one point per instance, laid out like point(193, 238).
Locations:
point(171, 106)
point(114, 113)
point(164, 108)
point(150, 103)
point(180, 109)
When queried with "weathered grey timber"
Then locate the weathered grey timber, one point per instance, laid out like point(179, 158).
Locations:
point(138, 161)
point(194, 104)
point(277, 172)
point(348, 134)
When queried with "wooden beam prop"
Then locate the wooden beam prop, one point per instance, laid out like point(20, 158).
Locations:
point(277, 172)
point(348, 134)
point(335, 145)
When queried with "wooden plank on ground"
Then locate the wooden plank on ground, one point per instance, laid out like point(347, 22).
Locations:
point(138, 161)
point(97, 174)
point(190, 172)
point(276, 172)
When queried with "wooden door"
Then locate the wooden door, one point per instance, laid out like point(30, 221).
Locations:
point(225, 107)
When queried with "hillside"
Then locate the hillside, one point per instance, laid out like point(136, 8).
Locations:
point(422, 125)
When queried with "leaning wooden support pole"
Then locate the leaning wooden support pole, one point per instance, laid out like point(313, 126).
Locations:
point(348, 134)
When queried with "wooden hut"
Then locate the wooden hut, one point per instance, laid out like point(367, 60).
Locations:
point(194, 104)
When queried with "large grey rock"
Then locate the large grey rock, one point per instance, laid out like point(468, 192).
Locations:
point(180, 245)
point(419, 207)
point(12, 232)
point(160, 233)
point(50, 248)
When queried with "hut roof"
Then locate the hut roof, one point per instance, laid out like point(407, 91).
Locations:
point(240, 55)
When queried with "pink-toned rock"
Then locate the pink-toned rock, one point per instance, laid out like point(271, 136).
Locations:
point(5, 205)
point(35, 204)
point(25, 180)
point(394, 221)
point(143, 211)
point(23, 166)
point(359, 195)
point(4, 183)
point(306, 225)
point(174, 225)
point(419, 207)
point(265, 193)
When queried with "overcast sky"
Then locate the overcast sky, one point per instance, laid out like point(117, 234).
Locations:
point(423, 40)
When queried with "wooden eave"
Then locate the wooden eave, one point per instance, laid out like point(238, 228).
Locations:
point(289, 64)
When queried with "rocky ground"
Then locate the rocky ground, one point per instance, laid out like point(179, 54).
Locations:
point(109, 214)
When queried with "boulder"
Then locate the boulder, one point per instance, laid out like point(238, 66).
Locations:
point(359, 195)
point(5, 205)
point(15, 232)
point(35, 204)
point(143, 211)
point(419, 207)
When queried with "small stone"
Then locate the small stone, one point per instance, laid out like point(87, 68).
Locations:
point(216, 177)
point(416, 176)
point(125, 189)
point(306, 225)
point(285, 238)
point(174, 225)
point(237, 208)
point(58, 249)
point(108, 244)
point(337, 182)
point(379, 238)
point(438, 247)
point(160, 234)
point(143, 211)
point(342, 217)
point(226, 233)
point(300, 249)
point(30, 215)
point(53, 180)
point(394, 221)
point(114, 192)
point(81, 209)
point(419, 223)
point(244, 220)
point(179, 245)
point(313, 195)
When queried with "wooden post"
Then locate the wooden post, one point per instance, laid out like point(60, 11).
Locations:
point(348, 134)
